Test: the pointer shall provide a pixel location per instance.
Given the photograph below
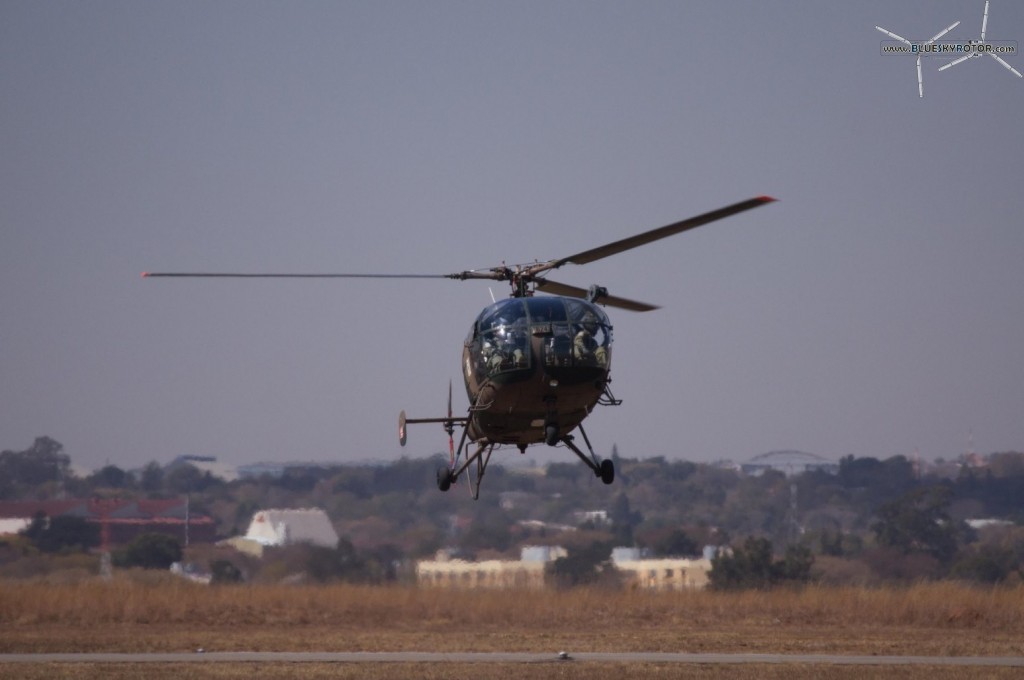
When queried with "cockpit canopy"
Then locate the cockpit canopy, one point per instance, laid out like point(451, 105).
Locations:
point(572, 335)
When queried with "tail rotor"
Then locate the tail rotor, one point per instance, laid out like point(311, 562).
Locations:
point(449, 427)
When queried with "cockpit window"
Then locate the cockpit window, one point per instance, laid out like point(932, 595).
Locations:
point(505, 312)
point(503, 342)
point(578, 309)
point(590, 334)
point(567, 333)
point(546, 309)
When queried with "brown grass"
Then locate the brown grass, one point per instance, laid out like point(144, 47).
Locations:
point(137, 601)
point(163, 614)
point(567, 671)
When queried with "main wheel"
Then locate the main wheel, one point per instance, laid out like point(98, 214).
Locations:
point(607, 471)
point(444, 478)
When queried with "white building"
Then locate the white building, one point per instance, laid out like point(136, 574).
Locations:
point(527, 573)
point(287, 527)
point(665, 574)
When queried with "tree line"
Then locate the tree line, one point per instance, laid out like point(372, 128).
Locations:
point(874, 520)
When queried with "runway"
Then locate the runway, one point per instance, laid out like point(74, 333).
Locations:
point(515, 657)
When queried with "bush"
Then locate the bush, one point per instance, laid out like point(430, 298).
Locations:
point(223, 571)
point(987, 564)
point(149, 551)
point(585, 565)
point(752, 566)
point(62, 534)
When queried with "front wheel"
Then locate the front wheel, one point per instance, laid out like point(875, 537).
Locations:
point(444, 478)
point(607, 471)
point(551, 434)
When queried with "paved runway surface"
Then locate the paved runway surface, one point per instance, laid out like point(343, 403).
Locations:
point(517, 657)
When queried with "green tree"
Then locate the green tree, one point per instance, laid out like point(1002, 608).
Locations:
point(62, 533)
point(44, 461)
point(751, 566)
point(677, 543)
point(491, 529)
point(623, 520)
point(340, 563)
point(110, 477)
point(152, 479)
point(986, 564)
point(919, 521)
point(583, 565)
point(149, 551)
point(187, 478)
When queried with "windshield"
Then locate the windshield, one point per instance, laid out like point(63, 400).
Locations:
point(571, 333)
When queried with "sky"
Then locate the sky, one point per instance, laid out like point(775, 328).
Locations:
point(875, 310)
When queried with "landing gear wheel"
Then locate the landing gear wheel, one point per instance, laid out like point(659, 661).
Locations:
point(551, 434)
point(607, 471)
point(444, 478)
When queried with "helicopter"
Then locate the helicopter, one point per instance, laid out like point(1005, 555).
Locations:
point(534, 367)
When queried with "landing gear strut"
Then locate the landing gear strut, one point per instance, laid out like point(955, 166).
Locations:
point(605, 469)
point(446, 476)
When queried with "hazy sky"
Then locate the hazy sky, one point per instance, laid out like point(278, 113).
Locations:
point(876, 309)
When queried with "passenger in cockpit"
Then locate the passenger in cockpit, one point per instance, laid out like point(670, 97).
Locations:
point(503, 347)
point(585, 346)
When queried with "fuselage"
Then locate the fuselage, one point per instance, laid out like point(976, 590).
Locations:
point(530, 363)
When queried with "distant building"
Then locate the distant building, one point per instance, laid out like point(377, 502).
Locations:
point(206, 464)
point(664, 574)
point(526, 573)
point(788, 463)
point(286, 527)
point(278, 470)
point(257, 470)
point(595, 517)
point(120, 520)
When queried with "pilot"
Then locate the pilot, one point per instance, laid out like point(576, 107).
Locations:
point(504, 345)
point(585, 347)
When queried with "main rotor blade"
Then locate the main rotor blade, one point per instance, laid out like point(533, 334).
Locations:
point(147, 275)
point(556, 288)
point(657, 234)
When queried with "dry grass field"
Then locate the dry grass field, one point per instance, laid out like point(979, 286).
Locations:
point(132, 614)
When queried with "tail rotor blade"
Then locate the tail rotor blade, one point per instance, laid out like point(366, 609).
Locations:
point(451, 428)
